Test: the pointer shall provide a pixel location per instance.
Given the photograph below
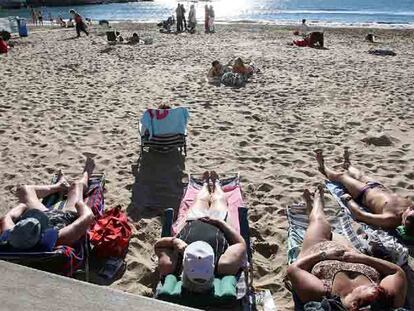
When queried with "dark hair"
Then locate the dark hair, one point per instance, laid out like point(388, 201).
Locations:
point(135, 34)
point(216, 62)
point(409, 224)
point(382, 301)
point(164, 106)
point(303, 21)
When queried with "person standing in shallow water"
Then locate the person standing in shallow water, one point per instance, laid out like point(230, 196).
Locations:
point(80, 24)
point(211, 17)
point(183, 16)
point(179, 16)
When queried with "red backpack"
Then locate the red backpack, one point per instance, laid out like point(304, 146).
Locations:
point(111, 233)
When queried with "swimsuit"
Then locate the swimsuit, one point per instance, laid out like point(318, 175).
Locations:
point(326, 270)
point(197, 230)
point(60, 219)
point(370, 185)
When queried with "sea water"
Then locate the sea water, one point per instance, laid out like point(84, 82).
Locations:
point(386, 13)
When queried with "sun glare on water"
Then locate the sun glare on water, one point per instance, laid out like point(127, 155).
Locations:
point(222, 8)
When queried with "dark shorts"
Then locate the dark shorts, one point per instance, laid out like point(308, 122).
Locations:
point(370, 185)
point(61, 219)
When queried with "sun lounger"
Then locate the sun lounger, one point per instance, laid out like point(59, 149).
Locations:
point(164, 129)
point(65, 260)
point(228, 294)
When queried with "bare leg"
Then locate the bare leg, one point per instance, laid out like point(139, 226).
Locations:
point(354, 186)
point(202, 200)
point(218, 199)
point(42, 191)
point(319, 229)
point(353, 171)
point(77, 189)
point(72, 233)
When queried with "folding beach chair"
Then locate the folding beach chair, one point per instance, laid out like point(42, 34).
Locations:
point(64, 260)
point(238, 294)
point(164, 129)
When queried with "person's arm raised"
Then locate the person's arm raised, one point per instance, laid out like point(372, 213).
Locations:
point(307, 286)
point(386, 221)
point(394, 280)
point(232, 259)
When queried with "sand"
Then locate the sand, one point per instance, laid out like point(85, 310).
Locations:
point(64, 98)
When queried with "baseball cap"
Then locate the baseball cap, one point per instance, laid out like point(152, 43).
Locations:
point(32, 231)
point(198, 267)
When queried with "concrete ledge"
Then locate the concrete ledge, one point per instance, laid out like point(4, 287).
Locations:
point(22, 289)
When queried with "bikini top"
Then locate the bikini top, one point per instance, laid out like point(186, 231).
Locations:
point(326, 270)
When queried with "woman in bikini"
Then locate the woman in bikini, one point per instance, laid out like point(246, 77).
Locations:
point(387, 209)
point(327, 268)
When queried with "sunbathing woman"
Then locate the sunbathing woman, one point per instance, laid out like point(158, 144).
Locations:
point(207, 245)
point(387, 209)
point(327, 268)
point(30, 223)
point(241, 68)
point(216, 70)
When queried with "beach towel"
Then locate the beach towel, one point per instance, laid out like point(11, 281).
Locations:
point(164, 122)
point(378, 243)
point(382, 52)
point(233, 79)
point(298, 220)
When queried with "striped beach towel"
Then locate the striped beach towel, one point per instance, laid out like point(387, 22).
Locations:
point(298, 223)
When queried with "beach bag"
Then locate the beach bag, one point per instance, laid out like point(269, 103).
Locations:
point(111, 233)
point(233, 79)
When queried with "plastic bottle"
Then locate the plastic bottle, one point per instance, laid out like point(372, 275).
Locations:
point(268, 303)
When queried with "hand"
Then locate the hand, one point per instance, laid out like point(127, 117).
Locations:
point(352, 257)
point(179, 245)
point(333, 255)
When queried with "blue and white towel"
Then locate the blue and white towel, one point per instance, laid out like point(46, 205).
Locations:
point(163, 122)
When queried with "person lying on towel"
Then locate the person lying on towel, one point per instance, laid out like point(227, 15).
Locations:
point(386, 209)
point(329, 267)
point(207, 246)
point(30, 226)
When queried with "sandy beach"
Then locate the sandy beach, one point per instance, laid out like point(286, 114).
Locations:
point(63, 98)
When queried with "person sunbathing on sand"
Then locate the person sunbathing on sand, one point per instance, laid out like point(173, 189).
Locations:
point(387, 209)
point(31, 226)
point(206, 245)
point(216, 70)
point(241, 68)
point(327, 267)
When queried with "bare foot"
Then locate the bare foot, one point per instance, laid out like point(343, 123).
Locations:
point(329, 173)
point(347, 162)
point(89, 166)
point(308, 200)
point(62, 181)
point(87, 171)
point(319, 195)
point(206, 178)
point(214, 177)
point(321, 161)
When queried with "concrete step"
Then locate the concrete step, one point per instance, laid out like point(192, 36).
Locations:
point(23, 289)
